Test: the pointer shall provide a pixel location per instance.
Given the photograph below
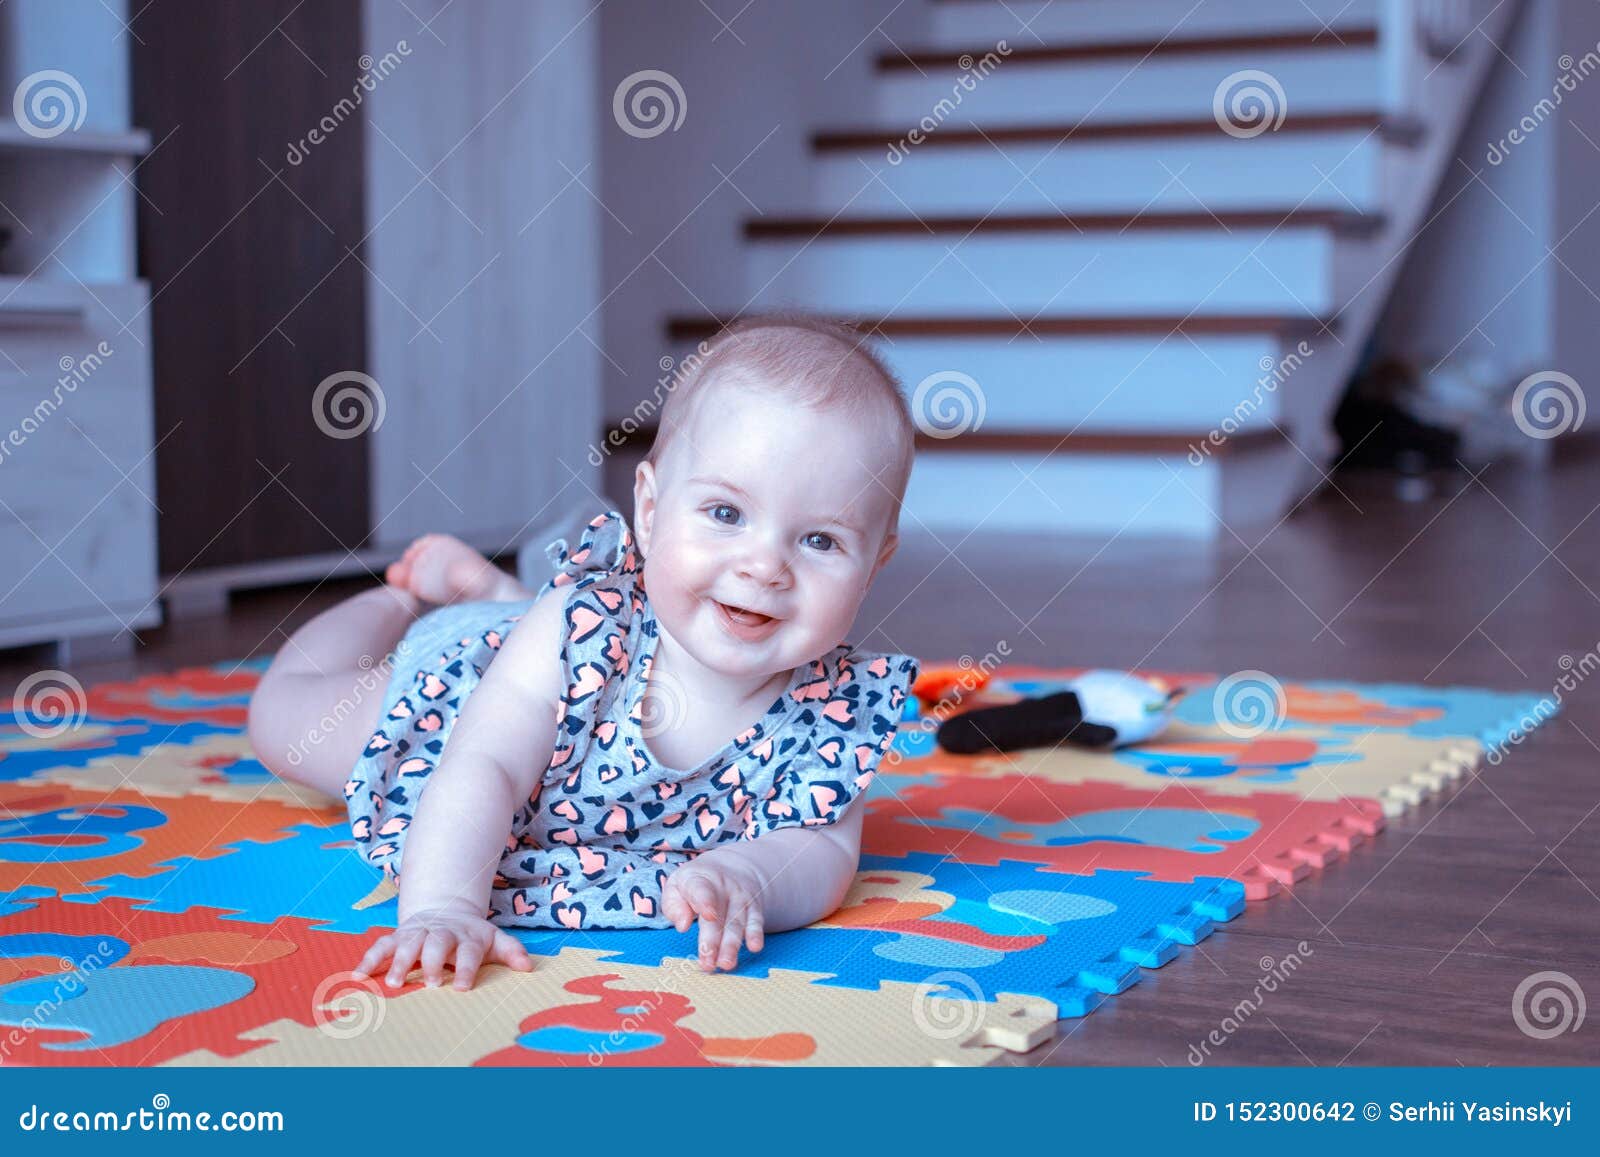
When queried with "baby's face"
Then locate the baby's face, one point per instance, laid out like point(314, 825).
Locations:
point(762, 530)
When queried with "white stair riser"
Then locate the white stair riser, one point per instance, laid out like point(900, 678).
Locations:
point(953, 492)
point(1335, 171)
point(1023, 22)
point(1021, 93)
point(1141, 272)
point(1093, 383)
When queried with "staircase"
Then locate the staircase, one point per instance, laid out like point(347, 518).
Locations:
point(1125, 254)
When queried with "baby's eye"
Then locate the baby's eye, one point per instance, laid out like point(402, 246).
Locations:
point(816, 540)
point(725, 513)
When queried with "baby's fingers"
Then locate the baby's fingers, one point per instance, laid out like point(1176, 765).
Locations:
point(510, 952)
point(674, 907)
point(406, 947)
point(469, 956)
point(733, 934)
point(382, 948)
point(439, 947)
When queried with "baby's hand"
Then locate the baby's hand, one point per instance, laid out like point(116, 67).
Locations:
point(724, 894)
point(434, 938)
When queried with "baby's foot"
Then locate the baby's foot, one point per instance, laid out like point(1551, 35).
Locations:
point(439, 568)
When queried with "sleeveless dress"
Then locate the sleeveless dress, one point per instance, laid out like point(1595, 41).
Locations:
point(607, 823)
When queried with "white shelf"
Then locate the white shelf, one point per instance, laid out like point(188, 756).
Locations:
point(131, 143)
point(36, 301)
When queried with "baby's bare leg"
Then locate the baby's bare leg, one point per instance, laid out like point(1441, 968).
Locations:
point(316, 706)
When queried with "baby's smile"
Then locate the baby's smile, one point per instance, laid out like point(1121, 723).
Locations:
point(745, 624)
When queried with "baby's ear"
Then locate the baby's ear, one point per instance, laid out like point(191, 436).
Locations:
point(644, 505)
point(891, 543)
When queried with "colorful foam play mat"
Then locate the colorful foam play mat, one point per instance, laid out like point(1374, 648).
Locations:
point(165, 900)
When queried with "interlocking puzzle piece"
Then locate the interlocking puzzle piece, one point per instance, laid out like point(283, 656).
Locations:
point(61, 838)
point(1398, 770)
point(23, 755)
point(1064, 938)
point(311, 873)
point(176, 1002)
point(218, 695)
point(616, 1013)
point(1177, 831)
point(220, 765)
point(1468, 713)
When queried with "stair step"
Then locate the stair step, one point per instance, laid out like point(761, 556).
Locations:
point(1140, 48)
point(1340, 221)
point(1337, 169)
point(1397, 130)
point(1031, 21)
point(1264, 269)
point(701, 328)
point(1256, 87)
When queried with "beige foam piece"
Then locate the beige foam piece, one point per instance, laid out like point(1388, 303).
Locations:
point(1400, 771)
point(176, 769)
point(897, 1025)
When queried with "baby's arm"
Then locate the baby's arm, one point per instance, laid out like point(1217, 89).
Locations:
point(786, 879)
point(495, 755)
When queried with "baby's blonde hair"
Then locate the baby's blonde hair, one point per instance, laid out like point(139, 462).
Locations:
point(817, 363)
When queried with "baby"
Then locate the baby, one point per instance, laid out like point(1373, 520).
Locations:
point(672, 731)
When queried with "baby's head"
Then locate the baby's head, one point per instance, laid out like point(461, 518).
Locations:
point(771, 497)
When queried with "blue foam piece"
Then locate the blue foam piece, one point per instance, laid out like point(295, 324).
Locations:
point(23, 763)
point(1101, 930)
point(300, 876)
point(23, 899)
point(113, 1006)
point(1466, 711)
point(98, 950)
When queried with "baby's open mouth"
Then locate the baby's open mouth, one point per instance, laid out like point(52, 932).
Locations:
point(743, 617)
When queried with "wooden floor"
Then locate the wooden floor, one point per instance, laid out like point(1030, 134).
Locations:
point(1415, 944)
